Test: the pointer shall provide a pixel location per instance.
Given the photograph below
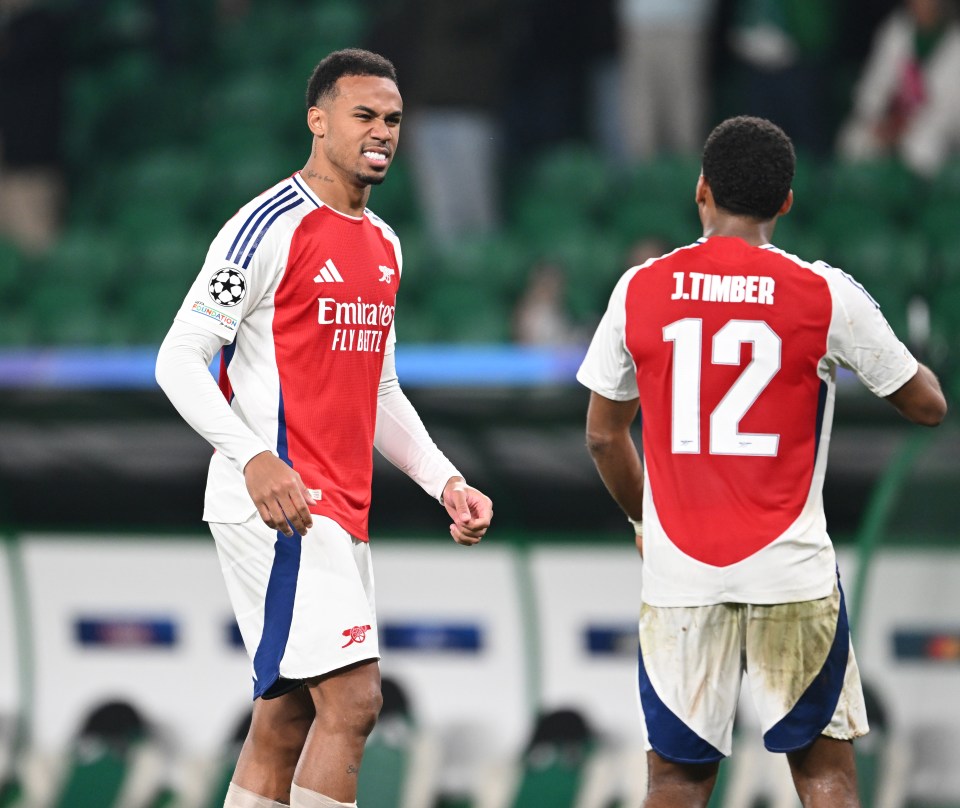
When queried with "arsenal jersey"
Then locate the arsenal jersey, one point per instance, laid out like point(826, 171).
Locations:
point(305, 297)
point(733, 352)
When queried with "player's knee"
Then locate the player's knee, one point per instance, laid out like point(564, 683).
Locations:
point(367, 706)
point(355, 711)
point(281, 731)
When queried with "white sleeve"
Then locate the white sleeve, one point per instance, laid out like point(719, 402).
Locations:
point(401, 437)
point(230, 285)
point(183, 374)
point(861, 339)
point(608, 368)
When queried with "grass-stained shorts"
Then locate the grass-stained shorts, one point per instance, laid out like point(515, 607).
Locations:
point(304, 604)
point(799, 665)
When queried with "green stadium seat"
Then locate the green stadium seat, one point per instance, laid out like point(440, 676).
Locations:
point(111, 745)
point(66, 312)
point(839, 221)
point(12, 267)
point(395, 201)
point(573, 171)
point(945, 186)
point(669, 181)
point(945, 333)
point(554, 763)
point(639, 218)
point(462, 312)
point(796, 238)
point(882, 187)
point(938, 222)
point(146, 309)
point(893, 266)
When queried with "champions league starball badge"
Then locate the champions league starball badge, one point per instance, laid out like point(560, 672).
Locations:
point(227, 287)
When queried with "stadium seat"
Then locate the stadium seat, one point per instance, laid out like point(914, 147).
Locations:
point(945, 332)
point(636, 218)
point(462, 312)
point(574, 175)
point(12, 264)
point(400, 760)
point(12, 668)
point(668, 181)
point(906, 650)
point(116, 761)
point(68, 312)
point(221, 772)
point(937, 222)
point(555, 760)
point(395, 201)
point(883, 188)
point(457, 640)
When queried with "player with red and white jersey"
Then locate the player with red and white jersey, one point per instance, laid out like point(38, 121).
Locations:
point(729, 347)
point(298, 294)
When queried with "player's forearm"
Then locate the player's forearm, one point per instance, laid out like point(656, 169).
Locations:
point(402, 439)
point(182, 373)
point(621, 470)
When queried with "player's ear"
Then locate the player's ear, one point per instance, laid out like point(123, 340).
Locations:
point(317, 121)
point(787, 204)
point(703, 188)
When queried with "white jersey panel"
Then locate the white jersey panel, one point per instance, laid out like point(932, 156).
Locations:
point(608, 368)
point(252, 247)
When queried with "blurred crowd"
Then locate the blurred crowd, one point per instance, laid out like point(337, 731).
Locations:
point(488, 84)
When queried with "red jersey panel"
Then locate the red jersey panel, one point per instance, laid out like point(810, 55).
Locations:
point(333, 310)
point(726, 339)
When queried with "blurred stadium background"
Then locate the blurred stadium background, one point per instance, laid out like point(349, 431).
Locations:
point(122, 684)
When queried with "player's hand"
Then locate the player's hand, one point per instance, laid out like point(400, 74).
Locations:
point(279, 494)
point(470, 509)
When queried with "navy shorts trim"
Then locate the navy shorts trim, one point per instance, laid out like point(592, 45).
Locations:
point(815, 708)
point(668, 735)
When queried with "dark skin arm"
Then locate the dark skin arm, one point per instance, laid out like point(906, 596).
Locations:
point(921, 400)
point(615, 454)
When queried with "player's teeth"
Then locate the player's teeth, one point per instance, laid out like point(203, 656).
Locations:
point(374, 155)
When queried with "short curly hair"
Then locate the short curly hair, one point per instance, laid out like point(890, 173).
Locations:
point(749, 164)
point(347, 62)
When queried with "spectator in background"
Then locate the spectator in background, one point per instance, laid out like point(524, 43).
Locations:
point(558, 63)
point(907, 101)
point(541, 316)
point(451, 55)
point(33, 65)
point(663, 77)
point(781, 54)
point(646, 248)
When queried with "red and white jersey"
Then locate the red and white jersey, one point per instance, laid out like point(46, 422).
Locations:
point(733, 350)
point(305, 297)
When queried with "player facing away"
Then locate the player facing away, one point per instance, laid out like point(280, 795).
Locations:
point(729, 348)
point(298, 293)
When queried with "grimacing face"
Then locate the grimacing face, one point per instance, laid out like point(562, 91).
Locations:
point(361, 127)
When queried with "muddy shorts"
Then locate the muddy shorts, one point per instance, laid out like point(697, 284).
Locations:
point(797, 659)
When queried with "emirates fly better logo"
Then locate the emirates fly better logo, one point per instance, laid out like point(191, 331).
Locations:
point(356, 634)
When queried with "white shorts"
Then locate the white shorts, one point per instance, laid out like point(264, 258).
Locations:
point(305, 605)
point(799, 664)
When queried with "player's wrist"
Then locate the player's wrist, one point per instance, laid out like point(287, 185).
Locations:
point(455, 479)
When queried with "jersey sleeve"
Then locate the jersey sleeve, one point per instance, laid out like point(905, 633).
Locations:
point(862, 340)
point(608, 367)
point(225, 291)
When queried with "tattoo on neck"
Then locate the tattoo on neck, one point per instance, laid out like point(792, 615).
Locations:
point(310, 174)
point(351, 769)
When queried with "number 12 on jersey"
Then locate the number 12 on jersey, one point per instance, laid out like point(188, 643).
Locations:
point(725, 436)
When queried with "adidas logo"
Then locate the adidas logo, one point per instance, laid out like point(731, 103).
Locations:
point(328, 274)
